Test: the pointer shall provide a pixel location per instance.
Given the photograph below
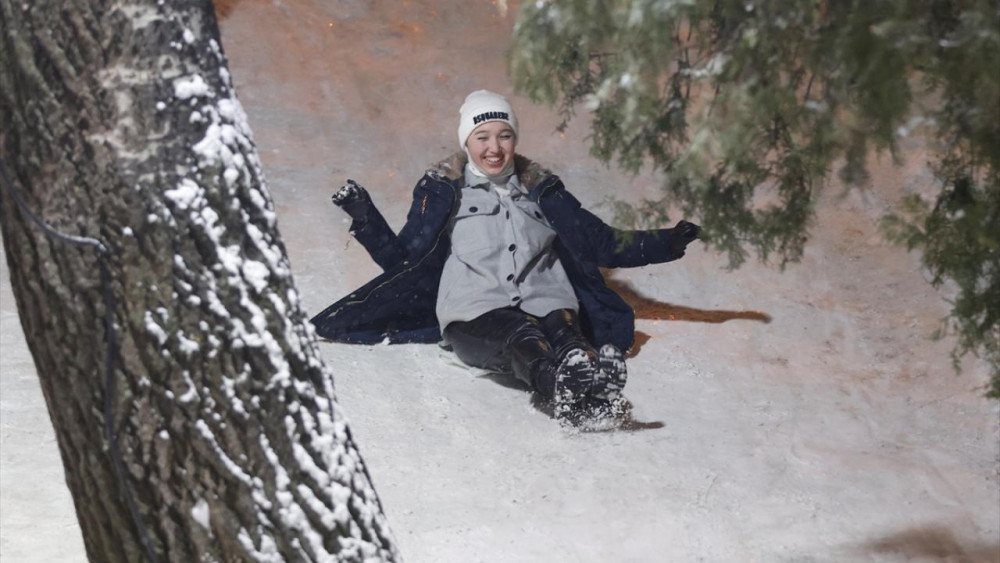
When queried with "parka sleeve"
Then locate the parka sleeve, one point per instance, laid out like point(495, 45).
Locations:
point(378, 238)
point(616, 248)
point(416, 237)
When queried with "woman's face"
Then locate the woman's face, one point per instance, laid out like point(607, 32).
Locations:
point(491, 147)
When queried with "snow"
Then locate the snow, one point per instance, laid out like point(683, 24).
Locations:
point(714, 67)
point(187, 345)
point(190, 86)
point(140, 16)
point(231, 175)
point(292, 515)
point(818, 107)
point(230, 258)
point(835, 432)
point(154, 329)
point(256, 273)
point(200, 513)
point(185, 194)
point(191, 394)
point(234, 468)
point(268, 552)
point(235, 403)
point(914, 122)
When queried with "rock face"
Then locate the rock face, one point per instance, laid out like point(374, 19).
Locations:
point(216, 435)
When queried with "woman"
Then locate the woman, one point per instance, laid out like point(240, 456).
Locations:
point(502, 262)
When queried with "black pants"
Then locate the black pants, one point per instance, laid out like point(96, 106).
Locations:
point(509, 339)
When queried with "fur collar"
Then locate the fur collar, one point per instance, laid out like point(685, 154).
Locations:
point(529, 172)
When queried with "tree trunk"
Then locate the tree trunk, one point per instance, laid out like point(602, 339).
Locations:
point(118, 121)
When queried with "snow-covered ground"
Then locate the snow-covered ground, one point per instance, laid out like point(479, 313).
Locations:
point(796, 416)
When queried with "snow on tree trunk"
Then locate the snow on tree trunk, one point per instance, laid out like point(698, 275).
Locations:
point(118, 121)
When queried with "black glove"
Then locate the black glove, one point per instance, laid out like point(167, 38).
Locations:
point(353, 199)
point(684, 233)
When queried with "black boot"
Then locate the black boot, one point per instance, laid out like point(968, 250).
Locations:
point(564, 380)
point(606, 407)
point(574, 378)
point(532, 359)
point(562, 328)
point(578, 362)
point(613, 375)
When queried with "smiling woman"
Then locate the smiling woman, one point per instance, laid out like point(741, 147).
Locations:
point(501, 262)
point(491, 148)
point(488, 133)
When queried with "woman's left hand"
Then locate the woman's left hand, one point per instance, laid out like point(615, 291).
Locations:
point(686, 232)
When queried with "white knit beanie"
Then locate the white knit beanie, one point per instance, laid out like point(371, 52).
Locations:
point(481, 107)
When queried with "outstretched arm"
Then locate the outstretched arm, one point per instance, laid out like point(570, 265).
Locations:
point(429, 212)
point(369, 226)
point(616, 248)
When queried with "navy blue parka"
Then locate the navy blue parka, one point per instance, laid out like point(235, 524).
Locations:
point(399, 304)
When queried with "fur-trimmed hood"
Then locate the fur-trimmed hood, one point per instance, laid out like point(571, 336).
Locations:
point(529, 172)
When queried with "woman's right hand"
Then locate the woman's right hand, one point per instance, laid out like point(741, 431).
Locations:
point(354, 199)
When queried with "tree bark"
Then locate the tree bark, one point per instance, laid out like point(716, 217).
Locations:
point(118, 121)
